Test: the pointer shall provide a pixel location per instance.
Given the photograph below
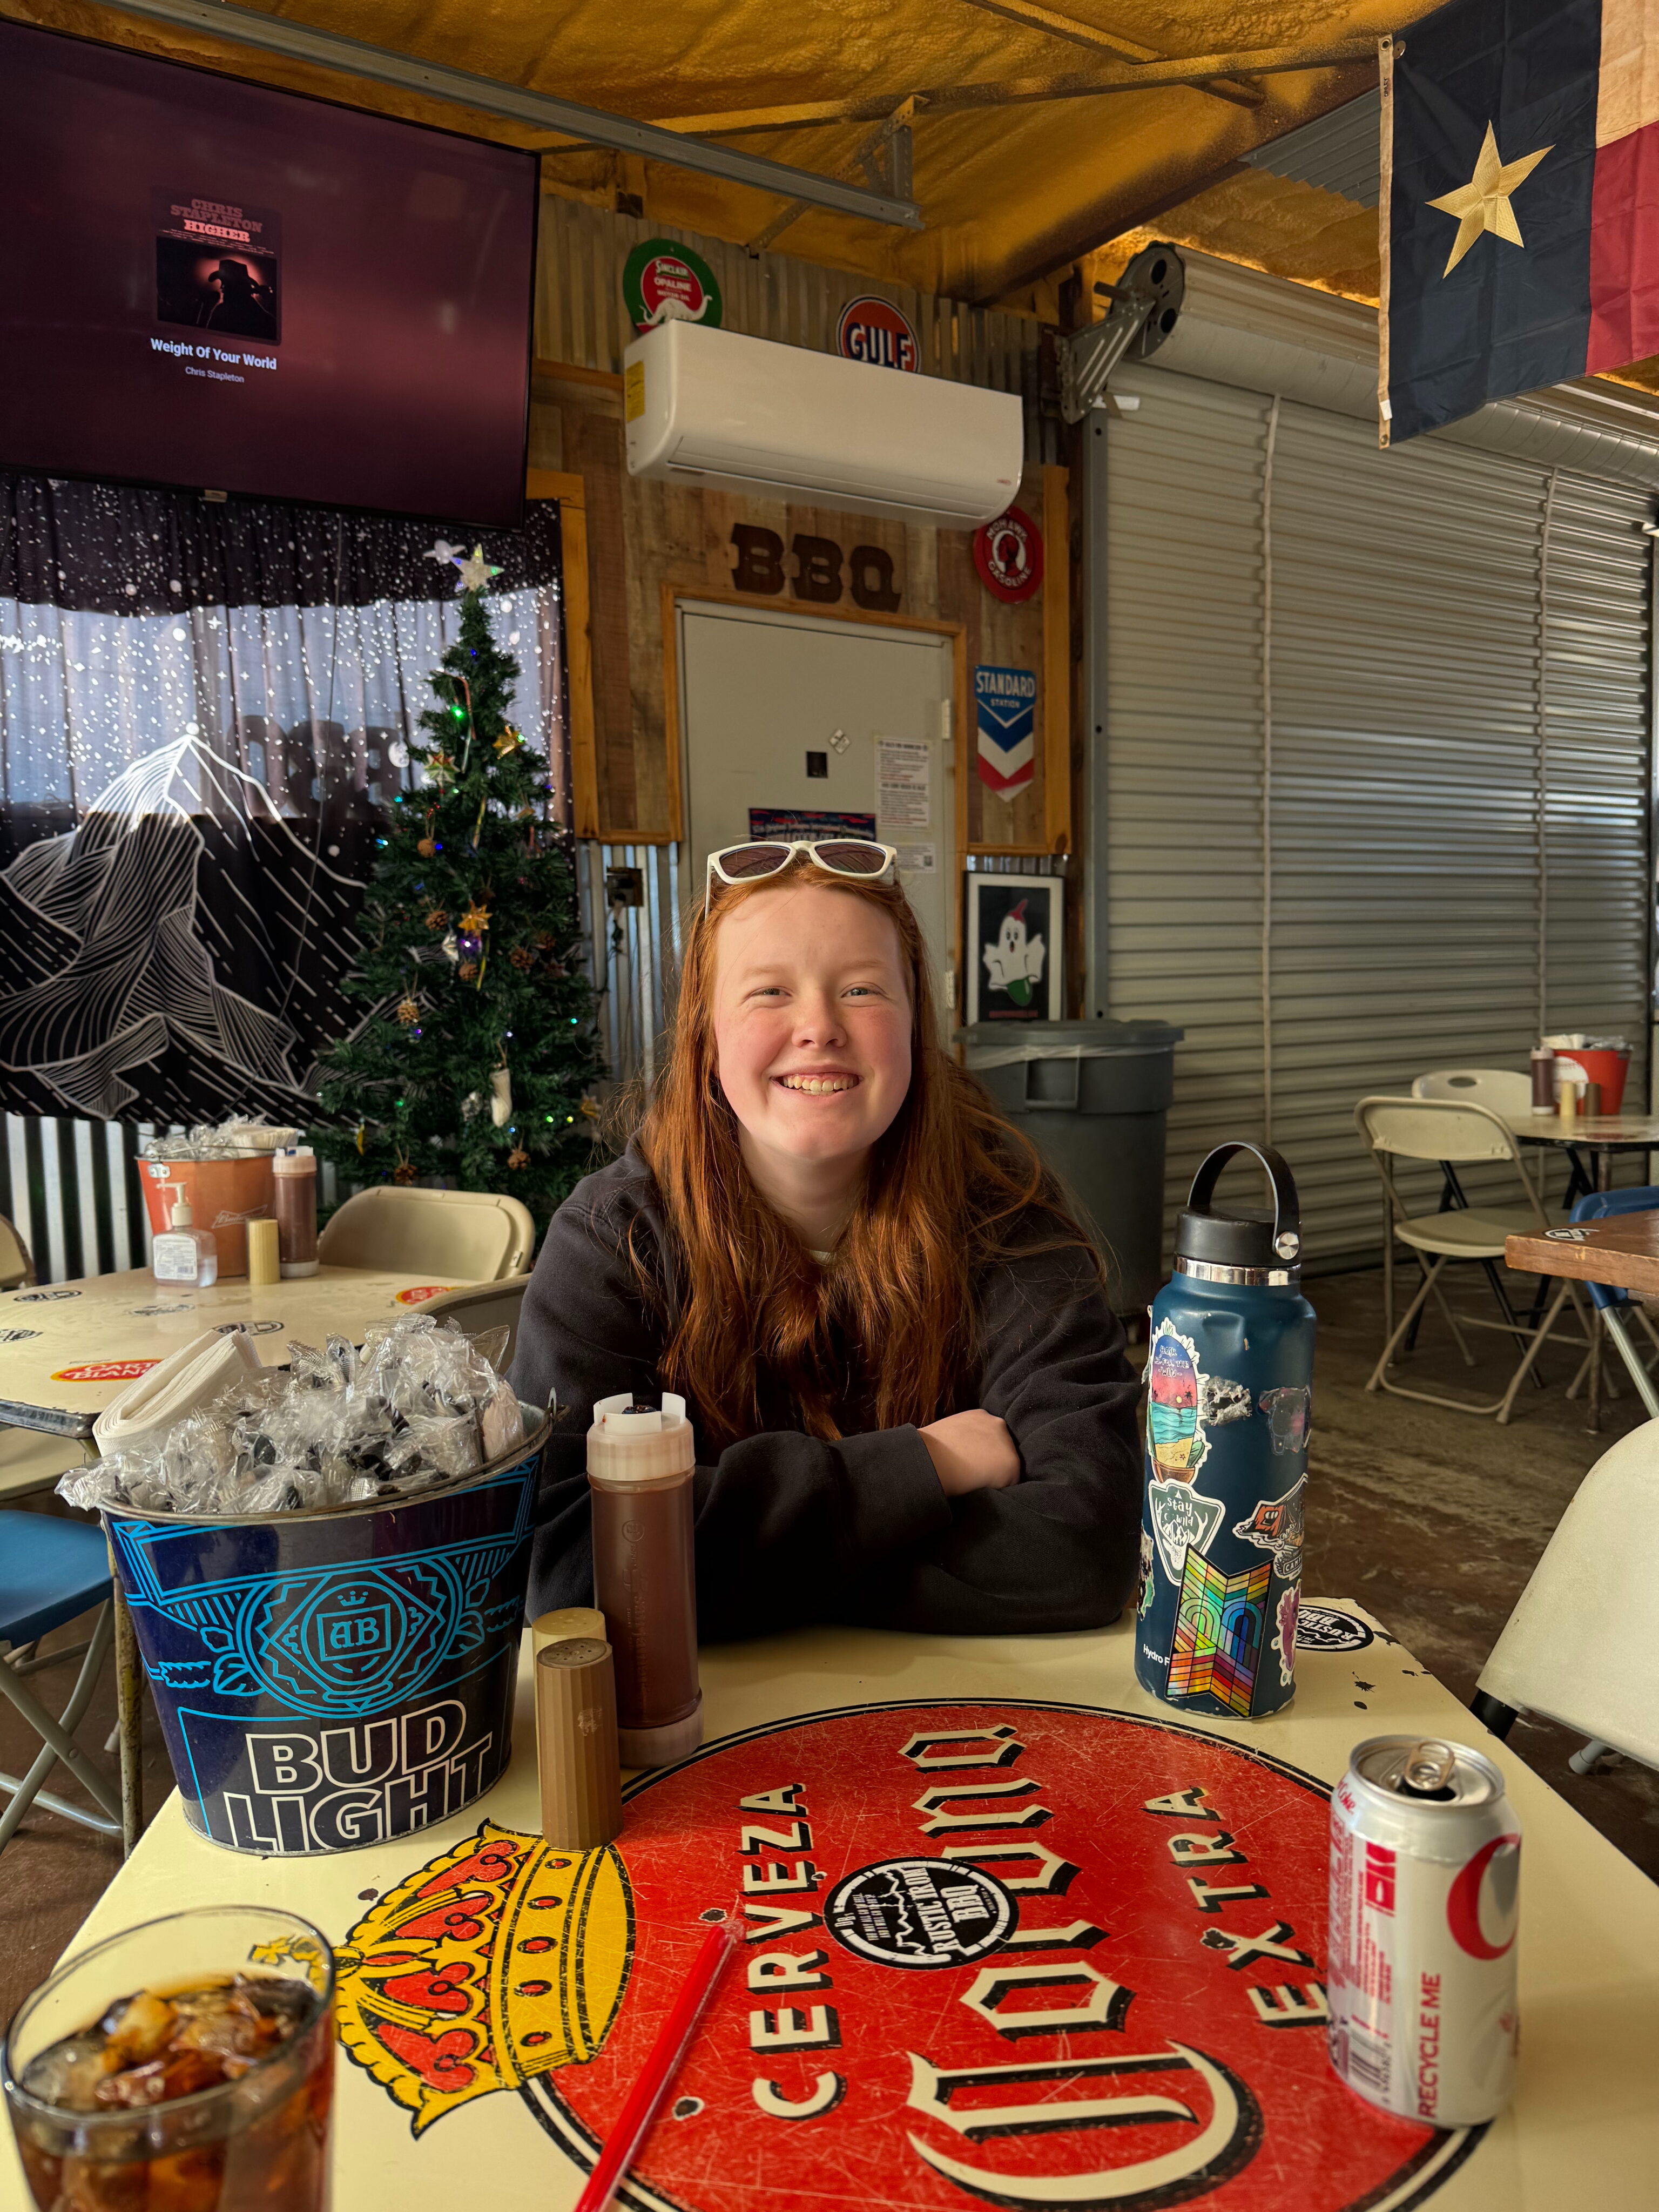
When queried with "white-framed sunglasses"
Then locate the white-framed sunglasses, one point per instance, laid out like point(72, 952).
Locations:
point(859, 858)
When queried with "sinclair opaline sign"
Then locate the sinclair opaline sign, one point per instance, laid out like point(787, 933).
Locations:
point(664, 282)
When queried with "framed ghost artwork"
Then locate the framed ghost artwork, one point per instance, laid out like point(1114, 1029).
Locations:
point(1016, 932)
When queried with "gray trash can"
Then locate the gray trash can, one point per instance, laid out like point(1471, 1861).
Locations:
point(1093, 1097)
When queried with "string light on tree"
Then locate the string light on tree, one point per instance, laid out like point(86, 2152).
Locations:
point(515, 1034)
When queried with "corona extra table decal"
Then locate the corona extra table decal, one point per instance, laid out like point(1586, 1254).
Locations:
point(498, 1961)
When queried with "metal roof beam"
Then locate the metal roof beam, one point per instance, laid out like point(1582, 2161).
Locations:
point(541, 111)
point(941, 99)
point(1034, 17)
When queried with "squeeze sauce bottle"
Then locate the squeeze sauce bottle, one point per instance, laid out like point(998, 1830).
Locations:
point(639, 1470)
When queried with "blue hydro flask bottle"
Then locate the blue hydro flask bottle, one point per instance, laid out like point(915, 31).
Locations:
point(1228, 1378)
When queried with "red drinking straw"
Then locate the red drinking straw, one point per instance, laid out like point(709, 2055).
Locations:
point(661, 2068)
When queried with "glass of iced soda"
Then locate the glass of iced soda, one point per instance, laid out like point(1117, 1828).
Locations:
point(186, 2065)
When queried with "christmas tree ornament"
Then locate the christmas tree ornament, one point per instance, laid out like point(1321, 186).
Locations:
point(404, 1172)
point(467, 970)
point(590, 1106)
point(438, 919)
point(472, 1105)
point(522, 957)
point(518, 1158)
point(470, 944)
point(452, 949)
point(362, 1132)
point(477, 917)
point(440, 769)
point(444, 552)
point(500, 1097)
point(427, 848)
point(409, 1011)
point(475, 572)
point(509, 741)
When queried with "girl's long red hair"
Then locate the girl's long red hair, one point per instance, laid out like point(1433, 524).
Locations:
point(949, 1186)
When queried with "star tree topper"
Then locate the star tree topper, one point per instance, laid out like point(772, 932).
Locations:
point(475, 571)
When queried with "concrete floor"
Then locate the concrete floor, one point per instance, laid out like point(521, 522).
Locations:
point(1432, 1520)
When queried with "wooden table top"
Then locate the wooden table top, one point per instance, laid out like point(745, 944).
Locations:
point(1094, 1803)
point(67, 1349)
point(1623, 1251)
point(1608, 1130)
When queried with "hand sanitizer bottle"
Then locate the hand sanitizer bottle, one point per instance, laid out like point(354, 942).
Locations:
point(184, 1256)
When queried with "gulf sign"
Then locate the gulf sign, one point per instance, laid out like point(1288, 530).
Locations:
point(874, 330)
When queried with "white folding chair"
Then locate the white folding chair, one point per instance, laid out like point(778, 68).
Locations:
point(1448, 1132)
point(1499, 1089)
point(456, 1236)
point(1579, 1648)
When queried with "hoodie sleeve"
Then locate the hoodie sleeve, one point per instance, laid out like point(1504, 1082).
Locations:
point(791, 1528)
point(1059, 1549)
point(788, 1527)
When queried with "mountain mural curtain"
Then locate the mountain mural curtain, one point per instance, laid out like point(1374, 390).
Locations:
point(203, 709)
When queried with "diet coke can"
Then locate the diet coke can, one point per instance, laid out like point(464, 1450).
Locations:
point(1425, 1860)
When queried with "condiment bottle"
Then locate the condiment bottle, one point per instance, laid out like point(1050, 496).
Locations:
point(577, 1754)
point(640, 1460)
point(293, 1198)
point(1543, 1078)
point(185, 1254)
point(263, 1252)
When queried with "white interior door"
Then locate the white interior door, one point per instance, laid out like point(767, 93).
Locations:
point(783, 714)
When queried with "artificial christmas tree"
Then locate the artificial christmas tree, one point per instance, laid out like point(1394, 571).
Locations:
point(473, 1063)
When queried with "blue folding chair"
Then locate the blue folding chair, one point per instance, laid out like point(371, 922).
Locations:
point(1616, 1307)
point(50, 1571)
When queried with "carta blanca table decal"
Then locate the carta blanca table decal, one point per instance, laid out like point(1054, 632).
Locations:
point(1016, 1952)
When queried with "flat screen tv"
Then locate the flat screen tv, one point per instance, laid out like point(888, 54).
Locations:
point(208, 283)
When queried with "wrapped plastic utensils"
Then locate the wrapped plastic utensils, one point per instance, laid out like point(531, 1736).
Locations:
point(418, 1407)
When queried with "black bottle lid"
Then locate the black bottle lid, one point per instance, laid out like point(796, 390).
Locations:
point(1245, 1236)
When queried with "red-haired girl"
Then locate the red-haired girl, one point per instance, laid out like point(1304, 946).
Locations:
point(911, 1399)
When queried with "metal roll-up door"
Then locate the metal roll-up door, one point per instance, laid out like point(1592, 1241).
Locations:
point(1598, 712)
point(1377, 770)
point(1405, 878)
point(1182, 771)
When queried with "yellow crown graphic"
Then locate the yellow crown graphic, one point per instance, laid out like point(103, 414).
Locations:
point(503, 1959)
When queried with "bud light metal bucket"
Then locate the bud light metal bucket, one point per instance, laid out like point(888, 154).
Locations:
point(1426, 1863)
point(1229, 1390)
point(331, 1679)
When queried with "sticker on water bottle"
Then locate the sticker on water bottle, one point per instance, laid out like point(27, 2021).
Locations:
point(1276, 1526)
point(1183, 1520)
point(1178, 1445)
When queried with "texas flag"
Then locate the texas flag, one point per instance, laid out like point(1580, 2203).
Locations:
point(1520, 207)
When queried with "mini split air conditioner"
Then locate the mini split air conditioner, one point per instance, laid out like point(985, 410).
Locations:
point(715, 409)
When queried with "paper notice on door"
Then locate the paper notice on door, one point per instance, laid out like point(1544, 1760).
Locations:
point(904, 783)
point(918, 860)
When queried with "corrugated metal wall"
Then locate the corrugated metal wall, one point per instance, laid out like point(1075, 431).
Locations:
point(580, 319)
point(1377, 768)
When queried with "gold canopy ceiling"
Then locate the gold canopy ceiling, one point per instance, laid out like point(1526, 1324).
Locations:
point(1020, 167)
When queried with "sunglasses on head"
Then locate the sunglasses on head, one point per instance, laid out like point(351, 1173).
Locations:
point(859, 858)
